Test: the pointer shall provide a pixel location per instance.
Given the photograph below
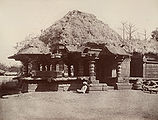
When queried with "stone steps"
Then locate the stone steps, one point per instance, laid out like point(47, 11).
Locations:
point(110, 87)
point(98, 87)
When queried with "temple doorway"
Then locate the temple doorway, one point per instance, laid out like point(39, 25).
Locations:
point(106, 69)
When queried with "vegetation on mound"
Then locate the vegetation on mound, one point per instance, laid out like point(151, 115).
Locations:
point(79, 28)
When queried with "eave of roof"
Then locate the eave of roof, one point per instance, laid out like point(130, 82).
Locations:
point(117, 50)
point(33, 50)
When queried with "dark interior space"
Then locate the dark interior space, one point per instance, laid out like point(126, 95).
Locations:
point(104, 67)
point(136, 66)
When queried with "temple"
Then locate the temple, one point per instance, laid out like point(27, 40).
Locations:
point(63, 67)
point(79, 47)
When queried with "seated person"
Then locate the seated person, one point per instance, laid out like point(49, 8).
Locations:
point(84, 88)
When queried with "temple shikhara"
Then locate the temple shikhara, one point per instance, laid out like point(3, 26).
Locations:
point(79, 47)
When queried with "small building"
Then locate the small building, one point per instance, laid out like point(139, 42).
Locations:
point(144, 66)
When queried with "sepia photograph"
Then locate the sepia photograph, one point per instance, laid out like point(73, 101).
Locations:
point(78, 59)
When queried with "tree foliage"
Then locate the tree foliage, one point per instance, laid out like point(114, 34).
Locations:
point(154, 34)
point(9, 68)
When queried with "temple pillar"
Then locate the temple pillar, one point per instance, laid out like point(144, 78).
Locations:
point(144, 66)
point(119, 69)
point(123, 68)
point(92, 73)
point(25, 68)
point(43, 67)
point(72, 71)
point(48, 67)
point(65, 70)
point(35, 67)
point(144, 70)
point(80, 69)
point(52, 67)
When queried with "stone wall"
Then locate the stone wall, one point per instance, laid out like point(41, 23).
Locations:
point(125, 68)
point(151, 70)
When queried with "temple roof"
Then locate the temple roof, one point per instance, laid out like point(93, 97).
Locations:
point(33, 50)
point(117, 50)
point(72, 48)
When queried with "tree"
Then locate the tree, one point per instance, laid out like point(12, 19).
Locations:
point(3, 67)
point(154, 34)
point(130, 30)
point(123, 29)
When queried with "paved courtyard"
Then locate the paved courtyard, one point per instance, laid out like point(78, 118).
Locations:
point(106, 105)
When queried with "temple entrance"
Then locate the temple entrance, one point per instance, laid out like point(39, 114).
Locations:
point(106, 69)
point(136, 66)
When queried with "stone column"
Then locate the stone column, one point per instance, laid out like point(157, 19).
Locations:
point(122, 81)
point(43, 67)
point(119, 68)
point(48, 67)
point(53, 67)
point(35, 67)
point(25, 68)
point(92, 73)
point(119, 61)
point(80, 69)
point(144, 66)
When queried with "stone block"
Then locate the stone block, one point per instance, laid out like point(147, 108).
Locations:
point(98, 87)
point(32, 87)
point(95, 81)
point(95, 88)
point(123, 86)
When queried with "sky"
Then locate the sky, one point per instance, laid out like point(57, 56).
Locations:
point(20, 18)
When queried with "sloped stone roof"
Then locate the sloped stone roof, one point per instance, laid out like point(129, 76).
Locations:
point(34, 46)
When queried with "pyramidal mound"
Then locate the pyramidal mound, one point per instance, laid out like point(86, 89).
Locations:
point(77, 27)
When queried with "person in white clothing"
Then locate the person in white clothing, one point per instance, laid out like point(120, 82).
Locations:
point(84, 88)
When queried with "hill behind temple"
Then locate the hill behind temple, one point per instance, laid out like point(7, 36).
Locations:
point(77, 27)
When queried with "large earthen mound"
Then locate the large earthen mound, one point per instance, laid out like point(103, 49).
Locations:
point(78, 28)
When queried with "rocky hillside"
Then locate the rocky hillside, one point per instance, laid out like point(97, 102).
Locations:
point(78, 28)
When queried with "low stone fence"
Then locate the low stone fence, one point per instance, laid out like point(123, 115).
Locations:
point(135, 79)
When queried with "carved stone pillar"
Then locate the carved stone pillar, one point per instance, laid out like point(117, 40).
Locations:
point(144, 66)
point(80, 69)
point(48, 67)
point(25, 68)
point(43, 67)
point(119, 69)
point(92, 73)
point(53, 67)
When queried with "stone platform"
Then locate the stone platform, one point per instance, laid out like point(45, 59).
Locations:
point(45, 86)
point(123, 86)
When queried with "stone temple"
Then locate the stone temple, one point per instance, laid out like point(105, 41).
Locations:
point(79, 47)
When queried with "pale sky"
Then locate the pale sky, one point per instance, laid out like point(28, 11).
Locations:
point(19, 18)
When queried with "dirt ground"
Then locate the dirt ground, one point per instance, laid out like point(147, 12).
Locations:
point(106, 105)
